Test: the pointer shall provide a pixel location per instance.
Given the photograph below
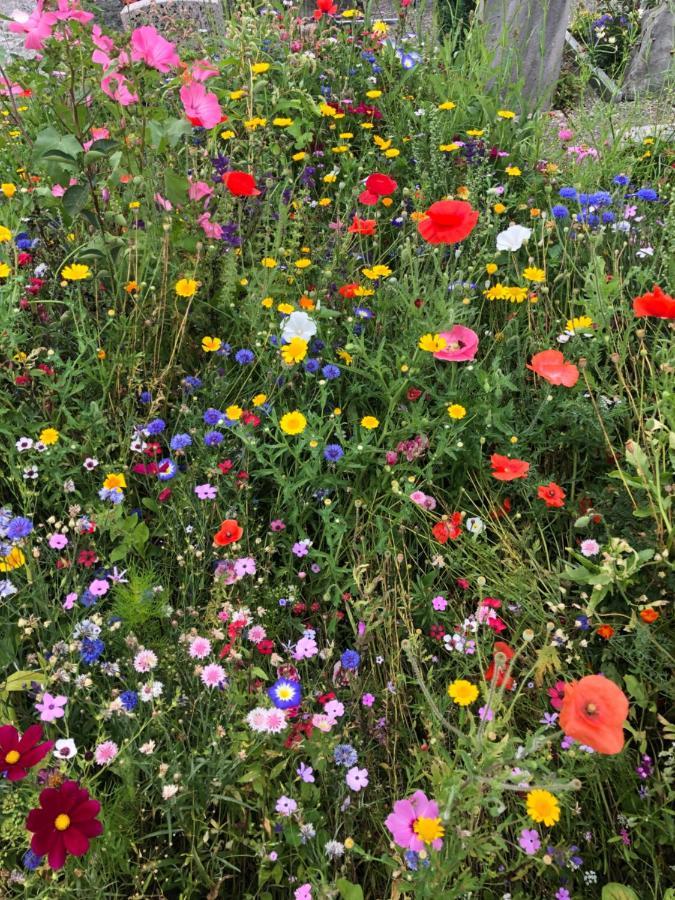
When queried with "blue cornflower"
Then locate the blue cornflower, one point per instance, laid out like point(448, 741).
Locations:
point(224, 350)
point(333, 452)
point(180, 441)
point(212, 438)
point(285, 693)
point(24, 242)
point(350, 659)
point(244, 357)
point(317, 345)
point(31, 860)
point(345, 755)
point(621, 180)
point(568, 193)
point(581, 622)
point(362, 312)
point(145, 397)
point(167, 469)
point(601, 198)
point(20, 527)
point(608, 217)
point(90, 650)
point(213, 416)
point(312, 366)
point(412, 860)
point(191, 383)
point(647, 194)
point(87, 599)
point(331, 372)
point(560, 212)
point(129, 700)
point(157, 426)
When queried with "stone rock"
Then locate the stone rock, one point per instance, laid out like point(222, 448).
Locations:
point(180, 20)
point(526, 38)
point(652, 64)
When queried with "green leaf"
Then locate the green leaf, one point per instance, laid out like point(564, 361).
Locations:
point(75, 199)
point(348, 891)
point(615, 891)
point(21, 681)
point(176, 187)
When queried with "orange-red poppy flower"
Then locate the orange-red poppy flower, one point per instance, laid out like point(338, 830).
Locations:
point(506, 469)
point(552, 495)
point(240, 184)
point(324, 8)
point(448, 222)
point(649, 615)
point(229, 532)
point(362, 226)
point(605, 631)
point(377, 185)
point(552, 366)
point(499, 674)
point(593, 711)
point(655, 303)
point(349, 291)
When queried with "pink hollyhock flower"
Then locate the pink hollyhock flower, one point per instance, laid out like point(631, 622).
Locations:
point(461, 344)
point(401, 822)
point(148, 46)
point(211, 229)
point(201, 107)
point(198, 190)
point(202, 70)
point(115, 86)
point(37, 26)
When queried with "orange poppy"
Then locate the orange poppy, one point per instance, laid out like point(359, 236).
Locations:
point(505, 469)
point(605, 631)
point(362, 226)
point(229, 532)
point(349, 291)
point(593, 712)
point(448, 222)
point(552, 366)
point(649, 615)
point(552, 495)
point(655, 303)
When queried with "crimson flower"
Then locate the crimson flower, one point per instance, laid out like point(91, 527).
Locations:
point(377, 185)
point(655, 303)
point(240, 184)
point(448, 222)
point(505, 469)
point(64, 823)
point(500, 674)
point(19, 754)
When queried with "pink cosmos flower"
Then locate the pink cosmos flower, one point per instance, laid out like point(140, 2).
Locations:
point(115, 86)
point(99, 587)
point(402, 820)
point(51, 707)
point(148, 46)
point(106, 752)
point(461, 344)
point(200, 648)
point(201, 107)
point(213, 675)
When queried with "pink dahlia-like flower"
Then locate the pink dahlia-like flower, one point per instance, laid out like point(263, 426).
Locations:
point(401, 822)
point(461, 344)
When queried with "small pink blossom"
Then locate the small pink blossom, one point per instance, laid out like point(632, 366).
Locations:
point(145, 661)
point(200, 648)
point(439, 603)
point(213, 675)
point(58, 541)
point(51, 707)
point(105, 753)
point(356, 778)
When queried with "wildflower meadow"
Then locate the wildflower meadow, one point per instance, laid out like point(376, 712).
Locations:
point(337, 436)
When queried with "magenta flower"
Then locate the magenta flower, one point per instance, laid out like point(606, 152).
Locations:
point(401, 822)
point(201, 106)
point(51, 708)
point(37, 26)
point(148, 46)
point(461, 344)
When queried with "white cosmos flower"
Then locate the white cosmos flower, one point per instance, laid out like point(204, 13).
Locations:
point(513, 238)
point(298, 325)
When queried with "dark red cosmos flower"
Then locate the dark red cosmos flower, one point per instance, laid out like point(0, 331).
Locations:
point(19, 754)
point(505, 469)
point(365, 227)
point(377, 185)
point(266, 646)
point(64, 823)
point(240, 184)
point(500, 674)
point(655, 303)
point(448, 222)
point(552, 495)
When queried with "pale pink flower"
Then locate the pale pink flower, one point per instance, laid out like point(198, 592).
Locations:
point(306, 648)
point(213, 675)
point(211, 229)
point(51, 708)
point(58, 541)
point(275, 721)
point(145, 660)
point(106, 752)
point(200, 648)
point(148, 46)
point(334, 709)
point(256, 634)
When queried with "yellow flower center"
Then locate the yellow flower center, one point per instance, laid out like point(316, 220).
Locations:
point(12, 757)
point(62, 822)
point(428, 830)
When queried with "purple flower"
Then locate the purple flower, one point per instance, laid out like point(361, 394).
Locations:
point(563, 894)
point(301, 548)
point(51, 707)
point(306, 773)
point(356, 778)
point(529, 840)
point(206, 491)
point(286, 806)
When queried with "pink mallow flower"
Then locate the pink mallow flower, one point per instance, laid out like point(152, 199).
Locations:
point(37, 26)
point(115, 86)
point(148, 46)
point(401, 822)
point(201, 106)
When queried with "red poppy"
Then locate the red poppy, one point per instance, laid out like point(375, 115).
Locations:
point(377, 185)
point(552, 366)
point(240, 184)
point(605, 632)
point(500, 675)
point(656, 304)
point(64, 823)
point(362, 226)
point(552, 495)
point(505, 469)
point(648, 615)
point(324, 8)
point(229, 532)
point(448, 222)
point(593, 711)
point(19, 754)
